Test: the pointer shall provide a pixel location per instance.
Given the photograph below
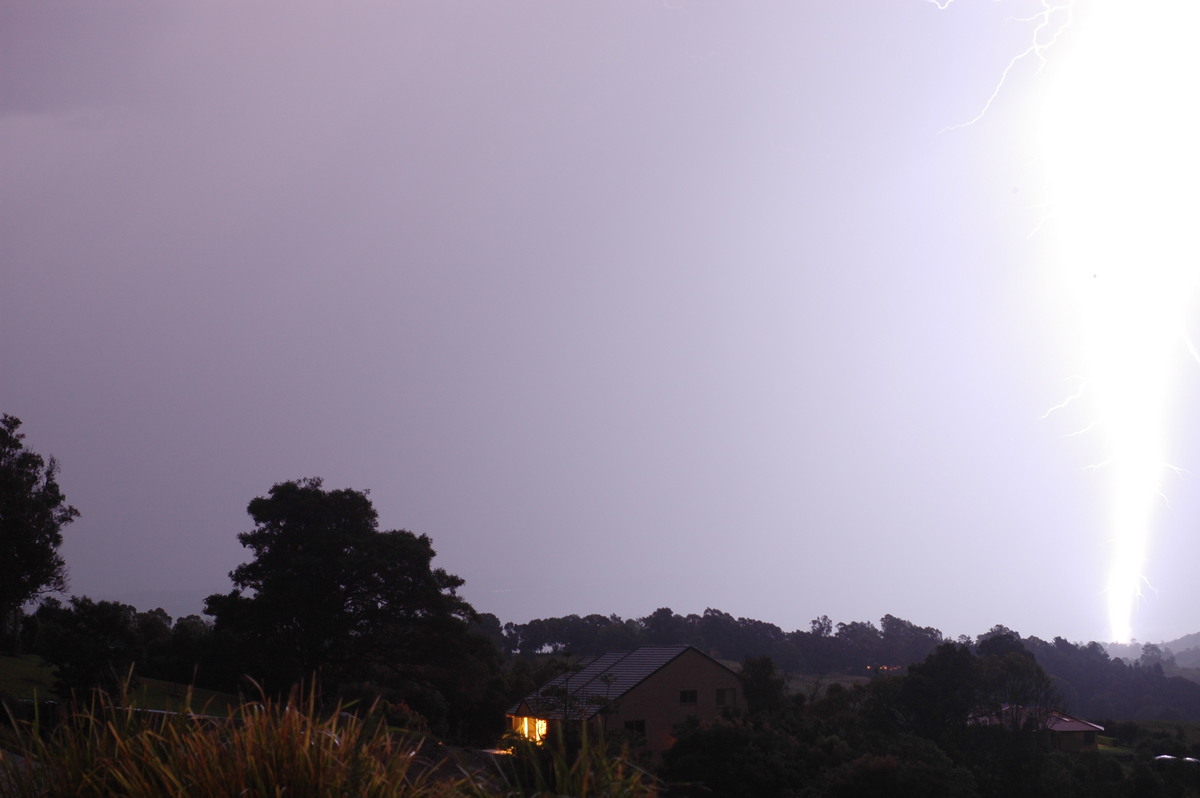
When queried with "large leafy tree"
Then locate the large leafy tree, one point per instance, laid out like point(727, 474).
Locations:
point(33, 511)
point(330, 595)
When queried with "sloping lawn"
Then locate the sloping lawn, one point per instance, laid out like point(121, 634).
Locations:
point(26, 677)
point(157, 694)
point(30, 677)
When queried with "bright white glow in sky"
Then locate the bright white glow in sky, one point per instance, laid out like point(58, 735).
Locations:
point(1121, 135)
point(625, 305)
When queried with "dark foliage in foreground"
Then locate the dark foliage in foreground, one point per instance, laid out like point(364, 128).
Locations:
point(292, 748)
point(1090, 682)
point(913, 735)
point(99, 643)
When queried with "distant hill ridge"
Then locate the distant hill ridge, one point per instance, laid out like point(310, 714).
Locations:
point(1185, 650)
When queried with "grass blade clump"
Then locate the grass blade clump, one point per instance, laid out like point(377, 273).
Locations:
point(259, 749)
point(579, 768)
point(284, 749)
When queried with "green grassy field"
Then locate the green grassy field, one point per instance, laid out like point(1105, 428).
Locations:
point(29, 677)
point(26, 677)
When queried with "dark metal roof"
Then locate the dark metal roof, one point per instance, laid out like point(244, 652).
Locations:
point(1062, 722)
point(1015, 715)
point(586, 689)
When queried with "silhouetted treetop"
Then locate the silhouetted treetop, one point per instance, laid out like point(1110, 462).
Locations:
point(328, 591)
point(33, 512)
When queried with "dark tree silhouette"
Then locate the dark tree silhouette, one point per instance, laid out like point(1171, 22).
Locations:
point(764, 688)
point(33, 511)
point(940, 693)
point(329, 596)
point(328, 592)
point(90, 643)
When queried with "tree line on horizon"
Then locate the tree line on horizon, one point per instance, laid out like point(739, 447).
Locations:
point(327, 596)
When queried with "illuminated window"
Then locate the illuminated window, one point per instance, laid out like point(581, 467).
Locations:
point(532, 728)
point(687, 696)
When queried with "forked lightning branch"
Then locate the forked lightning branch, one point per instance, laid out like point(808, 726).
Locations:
point(1118, 135)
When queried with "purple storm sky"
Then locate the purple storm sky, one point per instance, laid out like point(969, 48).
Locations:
point(625, 304)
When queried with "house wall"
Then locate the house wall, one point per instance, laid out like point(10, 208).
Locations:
point(1072, 741)
point(656, 701)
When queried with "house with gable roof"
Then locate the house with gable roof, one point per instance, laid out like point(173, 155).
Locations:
point(1066, 733)
point(644, 692)
point(1058, 730)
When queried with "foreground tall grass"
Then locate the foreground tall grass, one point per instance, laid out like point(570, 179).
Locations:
point(589, 769)
point(273, 749)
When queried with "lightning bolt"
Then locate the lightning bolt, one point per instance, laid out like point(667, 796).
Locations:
point(1120, 141)
point(1048, 25)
